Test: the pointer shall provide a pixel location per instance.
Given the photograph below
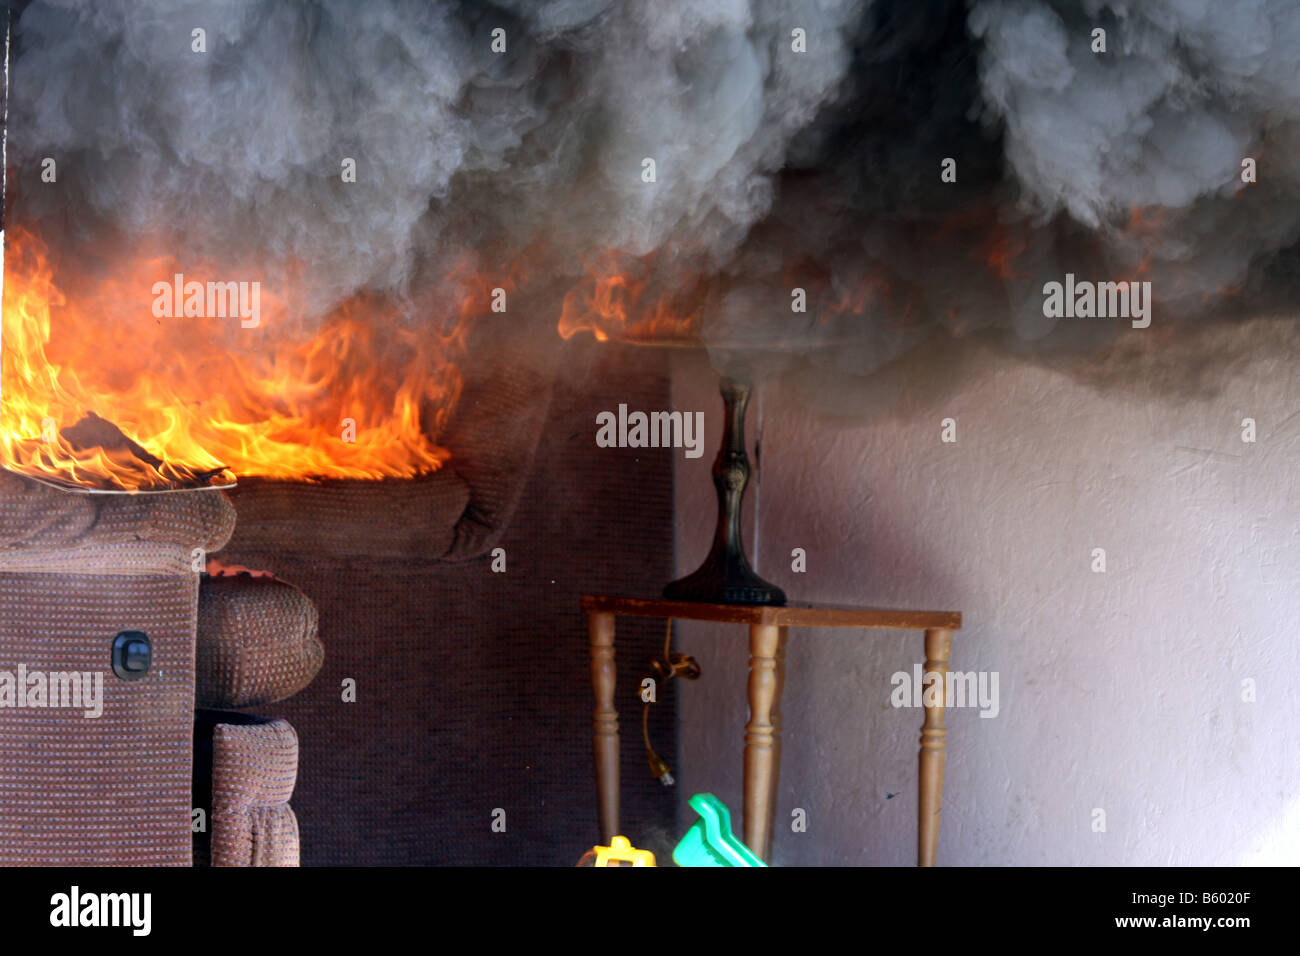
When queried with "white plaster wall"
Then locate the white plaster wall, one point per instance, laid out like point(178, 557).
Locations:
point(1120, 691)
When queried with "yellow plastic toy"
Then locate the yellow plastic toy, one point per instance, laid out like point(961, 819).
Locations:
point(622, 851)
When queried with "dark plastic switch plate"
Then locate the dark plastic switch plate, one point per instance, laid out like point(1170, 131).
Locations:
point(132, 655)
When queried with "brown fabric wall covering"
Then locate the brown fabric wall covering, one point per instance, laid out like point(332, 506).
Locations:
point(494, 432)
point(112, 790)
point(472, 687)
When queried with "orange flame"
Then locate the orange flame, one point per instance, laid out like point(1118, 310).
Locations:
point(1000, 250)
point(614, 300)
point(198, 396)
point(623, 298)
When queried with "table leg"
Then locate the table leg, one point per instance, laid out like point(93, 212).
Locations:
point(938, 645)
point(779, 674)
point(761, 752)
point(600, 631)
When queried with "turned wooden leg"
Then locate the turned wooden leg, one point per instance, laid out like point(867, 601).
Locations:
point(938, 644)
point(761, 754)
point(600, 630)
point(779, 674)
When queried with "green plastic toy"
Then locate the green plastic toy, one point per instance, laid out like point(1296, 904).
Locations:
point(710, 841)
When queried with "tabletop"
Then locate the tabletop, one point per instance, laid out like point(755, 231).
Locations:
point(784, 615)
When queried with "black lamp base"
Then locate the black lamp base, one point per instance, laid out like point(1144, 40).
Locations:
point(725, 577)
point(723, 580)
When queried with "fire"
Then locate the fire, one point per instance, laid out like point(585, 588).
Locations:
point(1000, 249)
point(199, 398)
point(867, 296)
point(618, 298)
point(634, 299)
point(1145, 221)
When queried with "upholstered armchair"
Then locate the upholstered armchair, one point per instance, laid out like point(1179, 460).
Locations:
point(111, 633)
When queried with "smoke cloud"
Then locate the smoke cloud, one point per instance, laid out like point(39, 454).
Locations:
point(774, 167)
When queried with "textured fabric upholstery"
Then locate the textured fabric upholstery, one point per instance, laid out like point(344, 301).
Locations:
point(48, 530)
point(474, 687)
point(75, 570)
point(112, 790)
point(256, 641)
point(402, 519)
point(249, 766)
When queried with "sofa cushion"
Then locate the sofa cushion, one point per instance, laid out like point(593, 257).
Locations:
point(256, 641)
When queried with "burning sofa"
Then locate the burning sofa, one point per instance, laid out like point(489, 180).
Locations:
point(129, 659)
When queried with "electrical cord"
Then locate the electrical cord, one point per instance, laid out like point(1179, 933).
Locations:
point(671, 665)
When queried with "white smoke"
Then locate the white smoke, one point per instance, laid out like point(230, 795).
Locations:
point(766, 159)
point(234, 155)
point(1162, 120)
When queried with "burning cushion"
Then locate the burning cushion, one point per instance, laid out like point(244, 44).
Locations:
point(256, 641)
point(454, 514)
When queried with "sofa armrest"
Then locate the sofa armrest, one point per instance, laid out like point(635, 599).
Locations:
point(51, 530)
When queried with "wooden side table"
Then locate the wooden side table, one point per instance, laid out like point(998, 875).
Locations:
point(767, 630)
